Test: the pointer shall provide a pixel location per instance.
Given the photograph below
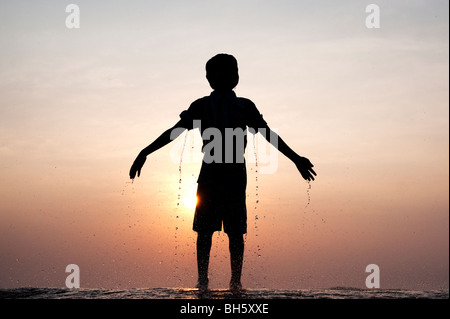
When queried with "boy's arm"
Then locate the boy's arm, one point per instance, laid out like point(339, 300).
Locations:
point(164, 139)
point(303, 164)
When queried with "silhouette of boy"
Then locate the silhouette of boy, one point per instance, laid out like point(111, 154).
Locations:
point(222, 180)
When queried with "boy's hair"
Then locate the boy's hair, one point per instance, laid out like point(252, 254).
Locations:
point(222, 72)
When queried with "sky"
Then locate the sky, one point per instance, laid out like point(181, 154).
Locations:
point(368, 106)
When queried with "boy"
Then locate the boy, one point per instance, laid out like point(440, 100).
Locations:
point(222, 180)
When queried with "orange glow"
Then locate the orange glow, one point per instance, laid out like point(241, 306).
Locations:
point(369, 108)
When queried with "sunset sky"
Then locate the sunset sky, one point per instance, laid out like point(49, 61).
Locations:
point(369, 108)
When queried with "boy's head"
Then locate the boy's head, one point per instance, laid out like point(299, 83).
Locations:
point(222, 72)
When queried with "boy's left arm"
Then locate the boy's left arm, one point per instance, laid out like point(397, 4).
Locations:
point(303, 164)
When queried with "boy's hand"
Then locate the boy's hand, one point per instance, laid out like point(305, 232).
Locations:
point(137, 166)
point(304, 166)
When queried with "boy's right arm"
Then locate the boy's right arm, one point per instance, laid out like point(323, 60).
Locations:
point(164, 139)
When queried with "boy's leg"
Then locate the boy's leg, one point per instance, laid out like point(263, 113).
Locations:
point(236, 245)
point(203, 251)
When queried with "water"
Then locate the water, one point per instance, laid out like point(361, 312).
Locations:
point(179, 168)
point(177, 276)
point(258, 252)
point(185, 293)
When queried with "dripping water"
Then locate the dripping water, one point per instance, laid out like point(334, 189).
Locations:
point(255, 151)
point(177, 275)
point(179, 168)
point(308, 194)
point(258, 252)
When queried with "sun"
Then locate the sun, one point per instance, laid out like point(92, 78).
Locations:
point(189, 198)
point(190, 201)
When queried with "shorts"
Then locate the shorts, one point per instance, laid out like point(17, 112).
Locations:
point(221, 203)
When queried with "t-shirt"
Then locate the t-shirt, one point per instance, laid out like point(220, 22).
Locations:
point(223, 119)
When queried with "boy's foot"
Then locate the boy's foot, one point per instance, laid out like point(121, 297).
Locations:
point(202, 285)
point(235, 287)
